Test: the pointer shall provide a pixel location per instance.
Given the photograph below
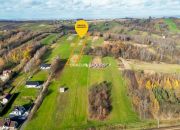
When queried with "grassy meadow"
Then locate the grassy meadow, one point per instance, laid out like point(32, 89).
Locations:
point(70, 109)
point(171, 25)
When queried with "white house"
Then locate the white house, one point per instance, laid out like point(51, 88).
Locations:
point(33, 84)
point(45, 66)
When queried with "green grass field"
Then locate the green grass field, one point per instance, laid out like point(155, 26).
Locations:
point(26, 95)
point(172, 26)
point(36, 26)
point(162, 68)
point(62, 48)
point(122, 110)
point(70, 109)
point(49, 39)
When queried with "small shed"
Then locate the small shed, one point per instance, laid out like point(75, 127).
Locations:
point(62, 89)
point(33, 84)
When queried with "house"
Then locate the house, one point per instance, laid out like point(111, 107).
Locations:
point(7, 124)
point(45, 66)
point(6, 99)
point(5, 75)
point(33, 84)
point(19, 113)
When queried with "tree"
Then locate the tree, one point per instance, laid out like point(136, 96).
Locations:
point(55, 65)
point(148, 84)
point(154, 106)
point(2, 62)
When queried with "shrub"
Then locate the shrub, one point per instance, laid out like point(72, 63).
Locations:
point(99, 100)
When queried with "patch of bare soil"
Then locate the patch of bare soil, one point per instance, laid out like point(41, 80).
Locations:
point(74, 58)
point(120, 65)
point(96, 60)
point(106, 43)
point(95, 38)
point(138, 45)
point(149, 72)
point(125, 63)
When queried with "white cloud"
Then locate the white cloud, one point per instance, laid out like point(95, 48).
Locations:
point(83, 8)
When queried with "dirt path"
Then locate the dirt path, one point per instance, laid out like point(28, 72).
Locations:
point(167, 128)
point(125, 63)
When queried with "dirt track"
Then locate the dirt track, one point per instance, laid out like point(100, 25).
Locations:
point(167, 128)
point(125, 63)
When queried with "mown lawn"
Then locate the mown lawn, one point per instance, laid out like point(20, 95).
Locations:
point(40, 75)
point(122, 109)
point(49, 39)
point(70, 109)
point(62, 48)
point(65, 109)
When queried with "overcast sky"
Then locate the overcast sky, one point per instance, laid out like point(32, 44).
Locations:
point(66, 9)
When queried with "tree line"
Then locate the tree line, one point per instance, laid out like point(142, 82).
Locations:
point(154, 95)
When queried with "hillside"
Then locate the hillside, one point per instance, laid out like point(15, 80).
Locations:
point(124, 74)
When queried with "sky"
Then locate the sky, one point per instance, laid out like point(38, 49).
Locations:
point(87, 9)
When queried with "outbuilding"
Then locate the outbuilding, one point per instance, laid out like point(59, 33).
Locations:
point(45, 66)
point(62, 89)
point(33, 84)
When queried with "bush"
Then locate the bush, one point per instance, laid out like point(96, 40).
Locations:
point(99, 100)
